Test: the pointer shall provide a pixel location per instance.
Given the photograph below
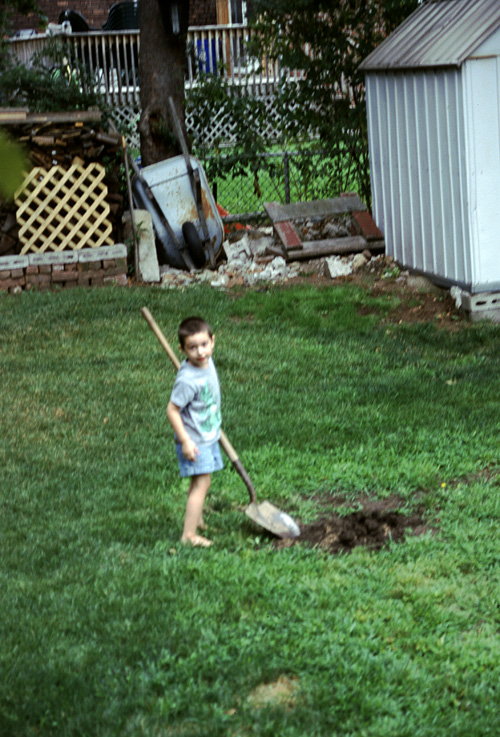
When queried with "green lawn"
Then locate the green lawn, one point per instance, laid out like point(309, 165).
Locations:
point(110, 628)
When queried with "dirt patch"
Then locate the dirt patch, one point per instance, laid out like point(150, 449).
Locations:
point(373, 525)
point(415, 299)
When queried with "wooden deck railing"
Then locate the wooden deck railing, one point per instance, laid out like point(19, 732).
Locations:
point(113, 59)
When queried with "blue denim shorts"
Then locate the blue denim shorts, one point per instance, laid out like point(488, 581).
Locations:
point(208, 461)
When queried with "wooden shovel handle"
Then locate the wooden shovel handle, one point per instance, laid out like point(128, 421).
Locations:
point(224, 440)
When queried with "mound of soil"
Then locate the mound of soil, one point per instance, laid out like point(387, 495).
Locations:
point(374, 526)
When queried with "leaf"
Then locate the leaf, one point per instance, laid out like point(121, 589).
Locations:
point(12, 166)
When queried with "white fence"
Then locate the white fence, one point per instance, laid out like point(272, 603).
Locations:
point(113, 59)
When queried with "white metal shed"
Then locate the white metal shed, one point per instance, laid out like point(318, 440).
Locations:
point(433, 106)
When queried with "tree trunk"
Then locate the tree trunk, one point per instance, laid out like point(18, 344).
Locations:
point(162, 62)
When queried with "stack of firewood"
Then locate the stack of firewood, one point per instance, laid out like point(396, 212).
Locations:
point(63, 139)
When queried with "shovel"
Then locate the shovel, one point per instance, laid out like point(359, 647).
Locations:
point(264, 513)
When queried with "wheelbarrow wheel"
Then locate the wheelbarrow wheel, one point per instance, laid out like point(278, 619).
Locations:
point(194, 244)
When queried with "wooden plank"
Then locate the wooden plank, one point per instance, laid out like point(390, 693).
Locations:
point(328, 247)
point(20, 115)
point(13, 115)
point(315, 208)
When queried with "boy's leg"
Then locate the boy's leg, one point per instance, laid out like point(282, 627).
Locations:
point(198, 490)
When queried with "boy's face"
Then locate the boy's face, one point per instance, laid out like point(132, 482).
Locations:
point(198, 348)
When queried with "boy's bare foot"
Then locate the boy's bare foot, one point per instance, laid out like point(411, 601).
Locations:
point(197, 541)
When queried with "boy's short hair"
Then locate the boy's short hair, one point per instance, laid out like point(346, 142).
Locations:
point(191, 326)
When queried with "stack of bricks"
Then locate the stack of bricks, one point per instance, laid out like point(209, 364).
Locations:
point(88, 267)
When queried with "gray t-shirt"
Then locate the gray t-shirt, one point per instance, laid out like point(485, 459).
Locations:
point(196, 392)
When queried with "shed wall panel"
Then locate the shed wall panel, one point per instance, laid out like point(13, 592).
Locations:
point(482, 85)
point(417, 161)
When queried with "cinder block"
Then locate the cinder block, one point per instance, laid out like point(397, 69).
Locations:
point(119, 250)
point(482, 306)
point(13, 262)
point(88, 255)
point(54, 257)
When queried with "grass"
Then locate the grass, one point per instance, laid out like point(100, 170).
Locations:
point(110, 628)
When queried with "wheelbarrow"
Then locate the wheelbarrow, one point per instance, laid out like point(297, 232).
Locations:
point(183, 210)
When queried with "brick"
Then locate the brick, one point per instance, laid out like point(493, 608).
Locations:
point(97, 282)
point(4, 274)
point(366, 226)
point(288, 235)
point(15, 273)
point(83, 266)
point(32, 270)
point(83, 281)
point(113, 272)
point(45, 269)
point(109, 263)
point(37, 279)
point(7, 284)
point(62, 276)
point(119, 280)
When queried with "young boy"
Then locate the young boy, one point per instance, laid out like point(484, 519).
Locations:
point(195, 416)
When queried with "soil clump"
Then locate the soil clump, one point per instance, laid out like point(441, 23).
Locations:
point(376, 524)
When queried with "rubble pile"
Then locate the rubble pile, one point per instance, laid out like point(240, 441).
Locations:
point(253, 259)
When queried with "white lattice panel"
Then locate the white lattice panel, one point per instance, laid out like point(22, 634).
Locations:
point(127, 118)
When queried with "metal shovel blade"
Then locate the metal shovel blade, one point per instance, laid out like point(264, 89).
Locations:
point(273, 519)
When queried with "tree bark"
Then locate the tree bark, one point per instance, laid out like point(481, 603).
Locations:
point(162, 65)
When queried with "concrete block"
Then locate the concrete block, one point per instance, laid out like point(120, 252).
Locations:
point(13, 262)
point(54, 257)
point(147, 258)
point(118, 250)
point(483, 306)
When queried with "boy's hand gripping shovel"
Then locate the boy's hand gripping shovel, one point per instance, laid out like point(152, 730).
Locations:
point(264, 513)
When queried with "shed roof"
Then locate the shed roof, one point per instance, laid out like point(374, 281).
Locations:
point(439, 33)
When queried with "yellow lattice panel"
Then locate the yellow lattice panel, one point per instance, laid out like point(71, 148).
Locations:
point(63, 208)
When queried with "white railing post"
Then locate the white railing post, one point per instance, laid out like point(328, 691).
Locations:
point(112, 57)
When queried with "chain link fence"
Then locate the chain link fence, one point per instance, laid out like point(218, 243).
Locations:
point(243, 183)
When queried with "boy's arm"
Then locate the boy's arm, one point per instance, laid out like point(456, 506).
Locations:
point(189, 447)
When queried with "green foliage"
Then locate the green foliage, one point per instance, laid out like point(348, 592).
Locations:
point(56, 81)
point(12, 166)
point(325, 42)
point(109, 627)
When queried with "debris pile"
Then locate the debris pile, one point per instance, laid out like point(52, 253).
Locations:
point(254, 259)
